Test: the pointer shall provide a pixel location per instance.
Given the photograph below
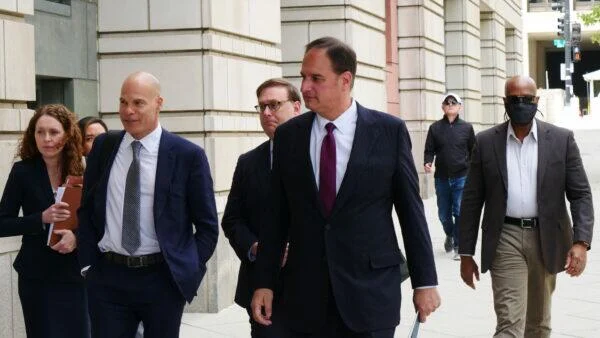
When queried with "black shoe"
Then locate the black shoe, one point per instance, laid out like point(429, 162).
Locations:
point(448, 245)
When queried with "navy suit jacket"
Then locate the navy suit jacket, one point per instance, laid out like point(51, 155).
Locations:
point(244, 213)
point(183, 195)
point(28, 188)
point(355, 249)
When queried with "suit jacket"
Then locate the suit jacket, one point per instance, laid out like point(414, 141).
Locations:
point(560, 173)
point(244, 212)
point(355, 249)
point(28, 187)
point(183, 195)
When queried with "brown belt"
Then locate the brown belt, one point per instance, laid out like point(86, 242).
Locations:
point(134, 261)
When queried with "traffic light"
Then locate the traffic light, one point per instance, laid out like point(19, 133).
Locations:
point(558, 6)
point(575, 33)
point(561, 27)
point(576, 54)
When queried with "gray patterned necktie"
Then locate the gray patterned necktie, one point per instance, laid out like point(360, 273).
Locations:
point(131, 206)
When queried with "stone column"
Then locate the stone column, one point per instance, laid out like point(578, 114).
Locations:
point(421, 73)
point(392, 65)
point(514, 53)
point(493, 68)
point(463, 56)
point(359, 23)
point(17, 86)
point(210, 55)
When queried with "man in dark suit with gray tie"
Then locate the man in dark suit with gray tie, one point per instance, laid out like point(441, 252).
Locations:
point(337, 172)
point(278, 101)
point(148, 221)
point(521, 171)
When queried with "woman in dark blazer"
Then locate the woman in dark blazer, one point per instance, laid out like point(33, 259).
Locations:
point(51, 288)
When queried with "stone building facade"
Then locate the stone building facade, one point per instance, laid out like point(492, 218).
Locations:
point(210, 56)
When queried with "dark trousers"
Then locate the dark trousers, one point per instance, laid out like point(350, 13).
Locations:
point(336, 328)
point(449, 193)
point(54, 309)
point(278, 328)
point(121, 297)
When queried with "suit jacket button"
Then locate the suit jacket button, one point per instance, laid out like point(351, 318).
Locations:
point(327, 227)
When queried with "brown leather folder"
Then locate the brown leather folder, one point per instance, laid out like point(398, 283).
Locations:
point(72, 196)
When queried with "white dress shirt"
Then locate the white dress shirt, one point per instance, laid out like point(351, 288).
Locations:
point(345, 126)
point(521, 165)
point(116, 195)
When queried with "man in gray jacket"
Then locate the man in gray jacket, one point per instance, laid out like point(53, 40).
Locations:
point(521, 171)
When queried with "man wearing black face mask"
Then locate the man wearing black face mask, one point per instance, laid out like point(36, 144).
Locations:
point(521, 171)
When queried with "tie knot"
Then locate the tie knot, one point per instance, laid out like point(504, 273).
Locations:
point(330, 127)
point(136, 146)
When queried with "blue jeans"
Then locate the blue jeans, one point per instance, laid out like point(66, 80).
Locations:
point(449, 192)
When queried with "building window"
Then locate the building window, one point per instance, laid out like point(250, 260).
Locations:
point(50, 90)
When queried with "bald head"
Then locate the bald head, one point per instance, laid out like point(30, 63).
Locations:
point(140, 104)
point(519, 85)
point(520, 102)
point(144, 79)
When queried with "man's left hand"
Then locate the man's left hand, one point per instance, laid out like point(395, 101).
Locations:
point(426, 301)
point(576, 259)
point(67, 242)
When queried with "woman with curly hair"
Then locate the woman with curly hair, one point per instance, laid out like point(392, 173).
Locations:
point(51, 288)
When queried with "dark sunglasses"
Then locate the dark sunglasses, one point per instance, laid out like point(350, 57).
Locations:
point(520, 99)
point(451, 103)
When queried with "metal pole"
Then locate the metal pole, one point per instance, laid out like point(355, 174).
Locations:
point(568, 63)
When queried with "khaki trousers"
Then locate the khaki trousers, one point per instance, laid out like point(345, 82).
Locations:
point(521, 285)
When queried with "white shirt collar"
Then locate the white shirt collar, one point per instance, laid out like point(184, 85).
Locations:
point(344, 122)
point(532, 131)
point(149, 142)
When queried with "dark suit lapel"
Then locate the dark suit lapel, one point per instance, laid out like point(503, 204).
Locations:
point(262, 167)
point(164, 172)
point(365, 136)
point(44, 179)
point(544, 152)
point(300, 153)
point(500, 151)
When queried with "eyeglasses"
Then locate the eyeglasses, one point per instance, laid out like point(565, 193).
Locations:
point(520, 99)
point(451, 102)
point(273, 106)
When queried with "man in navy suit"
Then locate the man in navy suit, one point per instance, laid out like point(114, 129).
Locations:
point(148, 221)
point(278, 101)
point(337, 172)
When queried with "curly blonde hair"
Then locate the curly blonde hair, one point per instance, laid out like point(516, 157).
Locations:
point(72, 150)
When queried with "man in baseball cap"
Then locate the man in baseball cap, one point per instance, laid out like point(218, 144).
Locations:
point(449, 142)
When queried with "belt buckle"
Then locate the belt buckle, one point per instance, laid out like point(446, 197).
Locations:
point(136, 262)
point(525, 226)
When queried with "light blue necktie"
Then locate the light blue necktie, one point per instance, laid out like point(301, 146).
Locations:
point(131, 205)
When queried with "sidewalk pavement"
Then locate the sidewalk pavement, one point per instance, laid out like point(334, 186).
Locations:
point(464, 312)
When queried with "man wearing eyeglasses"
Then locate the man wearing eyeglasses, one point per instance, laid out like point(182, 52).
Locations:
point(521, 171)
point(278, 101)
point(449, 141)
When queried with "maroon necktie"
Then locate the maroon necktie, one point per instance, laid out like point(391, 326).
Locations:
point(327, 170)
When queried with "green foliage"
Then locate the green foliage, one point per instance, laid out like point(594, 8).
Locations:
point(590, 18)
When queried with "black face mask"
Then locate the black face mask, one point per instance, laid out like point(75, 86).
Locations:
point(521, 112)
